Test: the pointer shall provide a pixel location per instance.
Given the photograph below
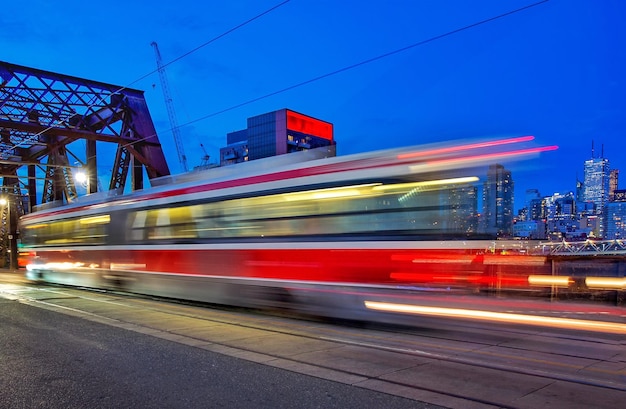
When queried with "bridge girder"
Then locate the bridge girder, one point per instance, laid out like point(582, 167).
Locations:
point(42, 113)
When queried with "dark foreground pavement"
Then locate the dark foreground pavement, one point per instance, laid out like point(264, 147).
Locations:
point(51, 360)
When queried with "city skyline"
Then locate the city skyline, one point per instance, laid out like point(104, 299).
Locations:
point(579, 178)
point(596, 209)
point(386, 74)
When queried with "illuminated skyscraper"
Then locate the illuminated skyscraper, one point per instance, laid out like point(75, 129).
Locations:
point(596, 187)
point(497, 216)
point(560, 216)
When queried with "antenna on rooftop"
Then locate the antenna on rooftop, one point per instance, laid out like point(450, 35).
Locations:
point(592, 157)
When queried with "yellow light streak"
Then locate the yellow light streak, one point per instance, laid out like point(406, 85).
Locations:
point(330, 193)
point(36, 226)
point(127, 266)
point(568, 323)
point(438, 182)
point(105, 218)
point(543, 280)
point(58, 241)
point(606, 283)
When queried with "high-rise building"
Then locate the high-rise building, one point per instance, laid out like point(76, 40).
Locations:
point(497, 216)
point(531, 198)
point(613, 179)
point(596, 188)
point(463, 205)
point(276, 133)
point(581, 205)
point(449, 211)
point(615, 217)
point(535, 210)
point(530, 195)
point(596, 185)
point(560, 216)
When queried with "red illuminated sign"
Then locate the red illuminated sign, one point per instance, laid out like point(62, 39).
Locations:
point(310, 126)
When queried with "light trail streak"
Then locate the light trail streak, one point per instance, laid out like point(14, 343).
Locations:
point(449, 149)
point(567, 323)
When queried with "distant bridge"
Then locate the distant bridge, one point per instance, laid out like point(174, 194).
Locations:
point(585, 248)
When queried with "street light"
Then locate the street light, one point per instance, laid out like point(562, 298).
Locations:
point(81, 177)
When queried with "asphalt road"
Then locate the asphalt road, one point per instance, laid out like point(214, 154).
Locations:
point(52, 360)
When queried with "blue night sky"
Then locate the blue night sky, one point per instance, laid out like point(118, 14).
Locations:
point(555, 70)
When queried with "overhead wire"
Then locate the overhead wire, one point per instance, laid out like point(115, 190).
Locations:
point(367, 61)
point(225, 33)
point(358, 64)
point(314, 79)
point(122, 88)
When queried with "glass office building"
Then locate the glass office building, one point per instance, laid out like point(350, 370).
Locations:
point(596, 188)
point(615, 216)
point(276, 133)
point(497, 216)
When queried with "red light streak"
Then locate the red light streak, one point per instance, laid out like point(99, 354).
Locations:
point(487, 144)
point(498, 155)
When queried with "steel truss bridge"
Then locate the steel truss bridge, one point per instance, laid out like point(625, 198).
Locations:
point(41, 114)
point(585, 248)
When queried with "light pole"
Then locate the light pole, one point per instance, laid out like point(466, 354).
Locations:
point(6, 203)
point(11, 239)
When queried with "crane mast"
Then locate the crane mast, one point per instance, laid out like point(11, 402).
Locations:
point(170, 108)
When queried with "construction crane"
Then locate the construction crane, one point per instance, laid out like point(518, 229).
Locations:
point(205, 158)
point(170, 108)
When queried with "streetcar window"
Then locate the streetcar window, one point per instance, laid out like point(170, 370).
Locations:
point(85, 230)
point(420, 208)
point(137, 225)
point(154, 224)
